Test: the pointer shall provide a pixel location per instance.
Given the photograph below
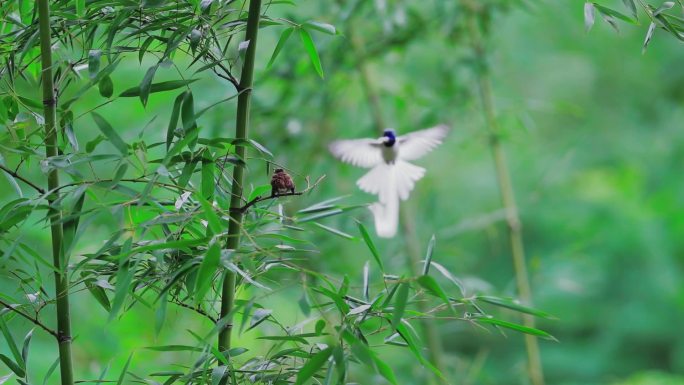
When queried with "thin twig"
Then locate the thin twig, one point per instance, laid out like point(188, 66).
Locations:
point(21, 178)
point(260, 199)
point(195, 309)
point(34, 320)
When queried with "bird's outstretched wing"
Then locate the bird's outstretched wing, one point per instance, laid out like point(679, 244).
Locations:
point(364, 153)
point(418, 143)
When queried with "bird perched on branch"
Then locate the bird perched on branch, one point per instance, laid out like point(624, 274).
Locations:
point(391, 177)
point(281, 183)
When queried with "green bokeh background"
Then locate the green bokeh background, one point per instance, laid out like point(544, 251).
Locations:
point(593, 136)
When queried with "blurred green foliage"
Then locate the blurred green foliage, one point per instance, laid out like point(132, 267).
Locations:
point(593, 136)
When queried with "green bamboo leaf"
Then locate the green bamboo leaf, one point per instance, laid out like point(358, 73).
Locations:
point(414, 348)
point(188, 111)
point(173, 121)
point(431, 285)
point(322, 27)
point(312, 366)
point(400, 304)
point(70, 225)
point(25, 347)
point(259, 316)
point(284, 36)
point(428, 256)
point(144, 47)
point(80, 8)
point(50, 371)
point(124, 277)
point(174, 348)
point(384, 369)
point(124, 370)
point(12, 345)
point(100, 295)
point(13, 366)
point(157, 87)
point(510, 303)
point(632, 7)
point(311, 50)
point(335, 231)
point(106, 87)
point(519, 328)
point(259, 191)
point(93, 60)
point(146, 84)
point(371, 245)
point(207, 269)
point(109, 132)
point(210, 216)
point(160, 314)
point(613, 13)
point(218, 374)
point(208, 183)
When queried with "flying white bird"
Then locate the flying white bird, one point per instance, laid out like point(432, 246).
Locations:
point(391, 177)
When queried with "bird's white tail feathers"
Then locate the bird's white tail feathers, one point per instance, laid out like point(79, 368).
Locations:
point(391, 181)
point(386, 218)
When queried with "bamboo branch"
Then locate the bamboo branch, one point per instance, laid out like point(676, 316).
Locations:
point(33, 320)
point(21, 178)
point(59, 259)
point(508, 201)
point(260, 199)
point(241, 129)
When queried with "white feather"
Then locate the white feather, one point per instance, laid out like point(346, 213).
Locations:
point(418, 143)
point(386, 218)
point(391, 181)
point(364, 153)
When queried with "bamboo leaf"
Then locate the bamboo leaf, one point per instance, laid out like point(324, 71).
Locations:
point(313, 365)
point(210, 215)
point(146, 84)
point(13, 366)
point(12, 345)
point(106, 87)
point(428, 256)
point(206, 271)
point(157, 87)
point(516, 327)
point(400, 304)
point(284, 36)
point(589, 17)
point(124, 370)
point(371, 245)
point(259, 316)
point(208, 183)
point(109, 132)
point(175, 112)
point(311, 50)
point(25, 347)
point(431, 285)
point(513, 305)
point(93, 60)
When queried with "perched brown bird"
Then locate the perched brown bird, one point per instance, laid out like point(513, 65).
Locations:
point(281, 183)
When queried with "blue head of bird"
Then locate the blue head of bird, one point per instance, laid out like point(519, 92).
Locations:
point(390, 137)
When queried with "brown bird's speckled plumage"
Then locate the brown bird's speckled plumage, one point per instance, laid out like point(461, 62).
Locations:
point(281, 183)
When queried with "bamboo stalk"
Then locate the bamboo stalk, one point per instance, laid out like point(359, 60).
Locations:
point(514, 224)
point(60, 263)
point(241, 128)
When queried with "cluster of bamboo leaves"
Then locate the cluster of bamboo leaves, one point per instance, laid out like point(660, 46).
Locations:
point(169, 204)
point(661, 16)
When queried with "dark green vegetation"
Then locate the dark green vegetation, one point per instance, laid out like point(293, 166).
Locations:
point(151, 98)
